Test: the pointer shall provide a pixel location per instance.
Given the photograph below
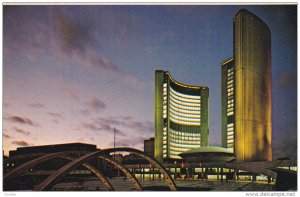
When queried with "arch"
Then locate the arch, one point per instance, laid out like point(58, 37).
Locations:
point(26, 156)
point(22, 168)
point(125, 171)
point(50, 181)
point(53, 178)
point(91, 168)
point(154, 162)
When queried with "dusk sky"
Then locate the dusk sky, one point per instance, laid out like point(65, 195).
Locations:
point(73, 73)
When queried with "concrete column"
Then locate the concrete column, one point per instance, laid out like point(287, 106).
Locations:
point(222, 174)
point(253, 177)
point(235, 177)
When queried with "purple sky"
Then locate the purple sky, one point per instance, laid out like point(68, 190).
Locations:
point(73, 73)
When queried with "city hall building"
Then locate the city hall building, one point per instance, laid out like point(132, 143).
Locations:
point(181, 117)
point(246, 91)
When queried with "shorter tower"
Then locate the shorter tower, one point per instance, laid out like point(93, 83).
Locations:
point(181, 117)
point(228, 103)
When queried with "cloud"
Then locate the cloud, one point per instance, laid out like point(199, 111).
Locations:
point(287, 80)
point(72, 93)
point(110, 120)
point(74, 35)
point(20, 120)
point(76, 39)
point(55, 115)
point(90, 126)
point(21, 143)
point(5, 104)
point(138, 126)
point(36, 105)
point(95, 104)
point(129, 122)
point(84, 112)
point(21, 131)
point(102, 127)
point(130, 142)
point(6, 136)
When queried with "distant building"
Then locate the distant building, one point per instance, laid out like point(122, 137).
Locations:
point(117, 157)
point(134, 159)
point(181, 117)
point(246, 91)
point(41, 170)
point(53, 148)
point(149, 146)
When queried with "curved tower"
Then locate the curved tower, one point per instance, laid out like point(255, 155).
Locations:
point(181, 117)
point(250, 99)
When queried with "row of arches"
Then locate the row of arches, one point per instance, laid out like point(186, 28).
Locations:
point(55, 177)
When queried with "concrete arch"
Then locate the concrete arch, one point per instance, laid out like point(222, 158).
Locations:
point(101, 177)
point(42, 157)
point(170, 182)
point(125, 171)
point(50, 181)
point(27, 156)
point(22, 168)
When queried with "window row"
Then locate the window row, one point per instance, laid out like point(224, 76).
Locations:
point(183, 115)
point(185, 122)
point(183, 146)
point(198, 104)
point(175, 97)
point(181, 111)
point(180, 133)
point(186, 95)
point(184, 108)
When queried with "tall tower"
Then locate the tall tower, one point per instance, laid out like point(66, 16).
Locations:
point(252, 123)
point(181, 117)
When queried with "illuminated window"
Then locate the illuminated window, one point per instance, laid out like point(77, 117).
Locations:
point(175, 97)
point(165, 85)
point(230, 137)
point(185, 95)
point(183, 109)
point(197, 104)
point(230, 113)
point(230, 125)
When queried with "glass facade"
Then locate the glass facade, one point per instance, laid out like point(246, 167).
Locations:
point(181, 117)
point(228, 104)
